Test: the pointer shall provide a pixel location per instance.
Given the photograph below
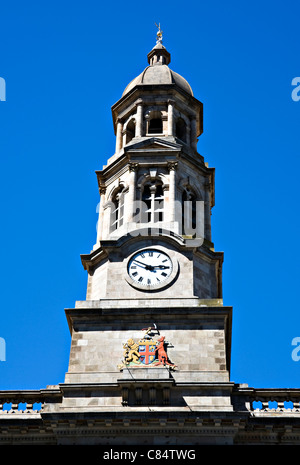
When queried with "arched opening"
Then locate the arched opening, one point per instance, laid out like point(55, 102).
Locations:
point(130, 131)
point(155, 126)
point(153, 202)
point(180, 130)
point(117, 211)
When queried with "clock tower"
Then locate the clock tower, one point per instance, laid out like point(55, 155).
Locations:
point(150, 351)
point(152, 337)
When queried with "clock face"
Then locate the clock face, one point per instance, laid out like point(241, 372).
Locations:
point(150, 267)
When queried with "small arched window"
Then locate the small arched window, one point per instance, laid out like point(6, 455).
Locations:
point(153, 202)
point(130, 131)
point(117, 211)
point(181, 129)
point(189, 220)
point(154, 122)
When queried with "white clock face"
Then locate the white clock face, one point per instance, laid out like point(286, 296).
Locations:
point(150, 267)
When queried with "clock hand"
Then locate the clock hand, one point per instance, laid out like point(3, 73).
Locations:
point(151, 267)
point(147, 267)
point(161, 267)
point(142, 266)
point(140, 262)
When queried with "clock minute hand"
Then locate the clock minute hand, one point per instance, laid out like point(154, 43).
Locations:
point(163, 267)
point(147, 267)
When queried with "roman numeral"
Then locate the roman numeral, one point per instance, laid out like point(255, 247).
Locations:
point(164, 274)
point(165, 260)
point(150, 254)
point(141, 279)
point(135, 273)
point(148, 281)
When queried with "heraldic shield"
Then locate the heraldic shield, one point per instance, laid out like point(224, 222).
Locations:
point(147, 351)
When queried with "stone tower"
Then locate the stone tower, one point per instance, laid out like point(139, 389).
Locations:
point(153, 330)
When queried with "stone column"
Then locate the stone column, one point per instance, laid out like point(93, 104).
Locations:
point(139, 118)
point(108, 207)
point(102, 190)
point(124, 137)
point(188, 135)
point(207, 209)
point(130, 203)
point(193, 134)
point(119, 136)
point(172, 189)
point(171, 117)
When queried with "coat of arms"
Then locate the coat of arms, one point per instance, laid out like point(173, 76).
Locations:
point(147, 352)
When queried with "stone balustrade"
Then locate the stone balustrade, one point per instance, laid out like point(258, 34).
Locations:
point(27, 401)
point(268, 401)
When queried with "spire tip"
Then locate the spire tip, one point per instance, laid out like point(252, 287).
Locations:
point(159, 35)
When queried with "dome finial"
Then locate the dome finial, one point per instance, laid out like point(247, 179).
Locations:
point(158, 34)
point(159, 55)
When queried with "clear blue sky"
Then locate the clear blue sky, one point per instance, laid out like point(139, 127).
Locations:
point(65, 64)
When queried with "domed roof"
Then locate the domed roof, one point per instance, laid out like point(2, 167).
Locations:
point(156, 75)
point(159, 73)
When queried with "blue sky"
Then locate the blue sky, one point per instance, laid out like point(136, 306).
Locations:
point(65, 64)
